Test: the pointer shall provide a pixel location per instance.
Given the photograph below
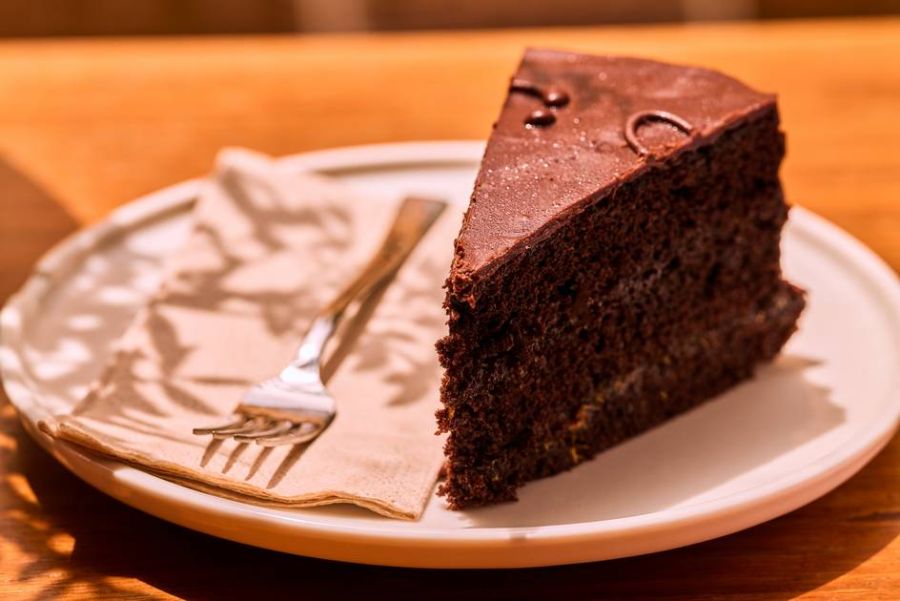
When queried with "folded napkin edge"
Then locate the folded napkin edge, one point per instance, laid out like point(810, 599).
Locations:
point(221, 487)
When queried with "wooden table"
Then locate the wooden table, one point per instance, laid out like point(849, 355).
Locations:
point(86, 125)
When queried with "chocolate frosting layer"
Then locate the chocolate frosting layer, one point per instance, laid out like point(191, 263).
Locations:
point(531, 177)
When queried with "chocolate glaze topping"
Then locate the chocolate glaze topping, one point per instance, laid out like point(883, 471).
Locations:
point(637, 118)
point(531, 175)
point(540, 118)
point(550, 95)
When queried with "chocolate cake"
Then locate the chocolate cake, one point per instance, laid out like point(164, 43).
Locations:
point(618, 264)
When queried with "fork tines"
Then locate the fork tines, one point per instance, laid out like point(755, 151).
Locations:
point(264, 431)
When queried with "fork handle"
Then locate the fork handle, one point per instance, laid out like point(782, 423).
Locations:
point(414, 218)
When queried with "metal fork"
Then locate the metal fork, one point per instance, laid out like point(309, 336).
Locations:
point(294, 407)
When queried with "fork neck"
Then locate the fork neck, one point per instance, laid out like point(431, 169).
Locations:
point(313, 344)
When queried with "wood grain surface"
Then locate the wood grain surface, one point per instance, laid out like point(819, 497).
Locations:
point(87, 125)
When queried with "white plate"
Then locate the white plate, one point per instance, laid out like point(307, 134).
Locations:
point(799, 429)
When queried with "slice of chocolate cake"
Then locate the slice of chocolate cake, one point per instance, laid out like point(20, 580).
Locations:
point(618, 264)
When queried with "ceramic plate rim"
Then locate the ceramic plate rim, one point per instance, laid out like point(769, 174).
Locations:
point(849, 458)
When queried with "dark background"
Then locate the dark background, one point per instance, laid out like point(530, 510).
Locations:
point(27, 18)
